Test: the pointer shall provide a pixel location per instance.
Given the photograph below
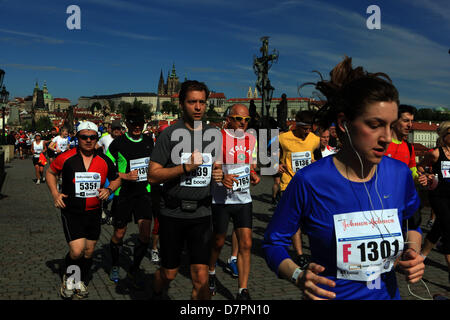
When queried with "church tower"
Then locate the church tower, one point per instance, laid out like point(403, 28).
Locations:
point(249, 93)
point(161, 86)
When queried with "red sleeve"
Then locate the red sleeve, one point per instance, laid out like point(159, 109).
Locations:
point(58, 163)
point(412, 158)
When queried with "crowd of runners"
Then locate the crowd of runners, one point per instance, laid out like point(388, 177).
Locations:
point(345, 177)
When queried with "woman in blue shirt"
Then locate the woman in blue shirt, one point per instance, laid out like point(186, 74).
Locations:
point(357, 207)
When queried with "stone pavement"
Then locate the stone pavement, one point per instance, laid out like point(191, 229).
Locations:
point(32, 247)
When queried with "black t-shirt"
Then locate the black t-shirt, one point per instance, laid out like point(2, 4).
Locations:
point(129, 154)
point(173, 144)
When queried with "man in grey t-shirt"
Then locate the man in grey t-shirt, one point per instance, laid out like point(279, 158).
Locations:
point(183, 159)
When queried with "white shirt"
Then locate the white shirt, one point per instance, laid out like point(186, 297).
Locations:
point(61, 143)
point(105, 141)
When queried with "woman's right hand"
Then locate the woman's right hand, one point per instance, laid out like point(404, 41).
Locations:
point(309, 279)
point(58, 200)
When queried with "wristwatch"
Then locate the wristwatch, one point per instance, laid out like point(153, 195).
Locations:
point(295, 275)
point(110, 191)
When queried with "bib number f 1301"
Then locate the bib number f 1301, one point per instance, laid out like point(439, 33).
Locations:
point(367, 243)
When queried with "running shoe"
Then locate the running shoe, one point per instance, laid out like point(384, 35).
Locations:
point(244, 295)
point(114, 274)
point(155, 256)
point(232, 268)
point(67, 288)
point(81, 290)
point(136, 279)
point(38, 181)
point(212, 284)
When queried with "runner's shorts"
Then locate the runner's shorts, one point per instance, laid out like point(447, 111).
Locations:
point(174, 233)
point(80, 225)
point(124, 208)
point(240, 213)
point(36, 162)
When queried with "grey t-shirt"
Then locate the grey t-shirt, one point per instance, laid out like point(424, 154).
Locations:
point(175, 143)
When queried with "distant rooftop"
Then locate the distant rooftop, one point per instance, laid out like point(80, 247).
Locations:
point(119, 95)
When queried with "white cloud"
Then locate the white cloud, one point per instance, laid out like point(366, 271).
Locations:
point(130, 35)
point(36, 37)
point(40, 68)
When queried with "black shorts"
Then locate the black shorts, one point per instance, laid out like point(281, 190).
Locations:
point(124, 208)
point(174, 233)
point(51, 154)
point(240, 213)
point(80, 225)
point(36, 162)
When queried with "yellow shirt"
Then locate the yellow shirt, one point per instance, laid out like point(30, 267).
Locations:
point(301, 149)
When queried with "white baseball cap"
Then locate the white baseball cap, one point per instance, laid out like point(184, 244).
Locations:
point(87, 125)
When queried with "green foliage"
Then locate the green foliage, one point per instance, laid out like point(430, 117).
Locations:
point(427, 114)
point(169, 107)
point(123, 108)
point(212, 115)
point(43, 124)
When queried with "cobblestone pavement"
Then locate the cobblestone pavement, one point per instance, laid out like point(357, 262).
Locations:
point(32, 247)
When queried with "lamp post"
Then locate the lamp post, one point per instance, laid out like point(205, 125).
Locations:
point(4, 95)
point(2, 75)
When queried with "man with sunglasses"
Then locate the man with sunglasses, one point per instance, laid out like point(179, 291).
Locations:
point(131, 153)
point(84, 172)
point(185, 213)
point(297, 149)
point(232, 198)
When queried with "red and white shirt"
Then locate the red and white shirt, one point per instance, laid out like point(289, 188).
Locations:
point(238, 153)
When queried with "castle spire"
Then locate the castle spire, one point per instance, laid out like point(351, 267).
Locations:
point(161, 84)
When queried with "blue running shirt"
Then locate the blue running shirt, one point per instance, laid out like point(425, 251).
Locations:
point(317, 193)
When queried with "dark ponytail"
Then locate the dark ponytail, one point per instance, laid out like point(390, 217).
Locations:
point(350, 90)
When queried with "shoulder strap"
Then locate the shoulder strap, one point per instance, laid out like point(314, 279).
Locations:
point(409, 147)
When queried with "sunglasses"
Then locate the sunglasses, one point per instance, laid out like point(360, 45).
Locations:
point(136, 122)
point(239, 118)
point(85, 137)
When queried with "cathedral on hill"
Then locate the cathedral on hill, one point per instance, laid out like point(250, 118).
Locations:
point(172, 86)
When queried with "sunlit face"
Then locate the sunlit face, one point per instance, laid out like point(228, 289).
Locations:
point(324, 138)
point(239, 118)
point(403, 124)
point(371, 132)
point(87, 139)
point(194, 106)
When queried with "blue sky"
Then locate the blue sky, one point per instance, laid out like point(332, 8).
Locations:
point(123, 45)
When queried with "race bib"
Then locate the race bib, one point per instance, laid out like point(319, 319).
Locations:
point(201, 177)
point(87, 184)
point(445, 169)
point(243, 178)
point(300, 160)
point(141, 165)
point(367, 243)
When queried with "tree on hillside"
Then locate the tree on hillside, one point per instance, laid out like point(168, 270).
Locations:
point(169, 107)
point(44, 123)
point(95, 106)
